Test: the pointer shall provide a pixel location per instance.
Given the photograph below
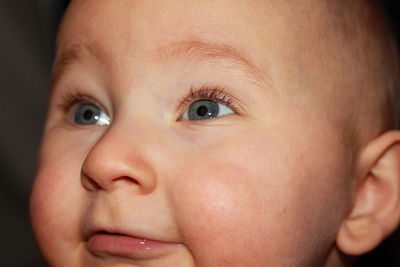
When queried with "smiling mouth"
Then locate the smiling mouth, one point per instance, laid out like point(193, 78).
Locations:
point(103, 243)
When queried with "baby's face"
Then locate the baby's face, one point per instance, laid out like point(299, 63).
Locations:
point(191, 133)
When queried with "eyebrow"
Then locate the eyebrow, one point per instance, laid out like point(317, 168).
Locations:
point(198, 50)
point(204, 51)
point(72, 55)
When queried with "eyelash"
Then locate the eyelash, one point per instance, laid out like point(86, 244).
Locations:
point(71, 99)
point(216, 94)
point(211, 93)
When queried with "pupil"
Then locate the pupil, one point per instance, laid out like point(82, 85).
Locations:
point(88, 114)
point(202, 111)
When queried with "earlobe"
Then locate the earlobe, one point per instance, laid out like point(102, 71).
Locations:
point(375, 212)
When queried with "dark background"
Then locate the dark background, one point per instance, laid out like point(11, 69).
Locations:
point(27, 30)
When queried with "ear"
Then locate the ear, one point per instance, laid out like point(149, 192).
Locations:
point(375, 212)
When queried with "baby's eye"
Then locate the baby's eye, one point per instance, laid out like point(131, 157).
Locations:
point(206, 109)
point(89, 114)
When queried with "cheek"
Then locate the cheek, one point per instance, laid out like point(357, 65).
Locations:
point(56, 206)
point(254, 204)
point(57, 199)
point(215, 220)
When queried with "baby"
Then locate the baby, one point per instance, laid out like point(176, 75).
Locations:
point(219, 133)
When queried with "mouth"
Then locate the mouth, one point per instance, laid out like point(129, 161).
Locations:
point(104, 243)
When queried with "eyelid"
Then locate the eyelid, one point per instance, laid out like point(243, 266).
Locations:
point(215, 93)
point(71, 99)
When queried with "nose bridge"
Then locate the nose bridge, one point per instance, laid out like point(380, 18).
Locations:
point(119, 158)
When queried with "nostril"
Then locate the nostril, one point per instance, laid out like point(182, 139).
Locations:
point(89, 183)
point(126, 179)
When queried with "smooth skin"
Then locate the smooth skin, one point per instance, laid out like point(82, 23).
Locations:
point(273, 184)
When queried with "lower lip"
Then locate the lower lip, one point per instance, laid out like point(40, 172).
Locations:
point(128, 246)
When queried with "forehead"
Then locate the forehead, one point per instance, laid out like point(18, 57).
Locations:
point(248, 30)
point(134, 25)
point(192, 16)
point(280, 37)
point(155, 20)
point(140, 27)
point(130, 30)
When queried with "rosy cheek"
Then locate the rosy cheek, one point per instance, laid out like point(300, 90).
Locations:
point(57, 198)
point(237, 203)
point(55, 213)
point(218, 207)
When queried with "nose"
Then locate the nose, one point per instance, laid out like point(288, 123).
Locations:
point(116, 161)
